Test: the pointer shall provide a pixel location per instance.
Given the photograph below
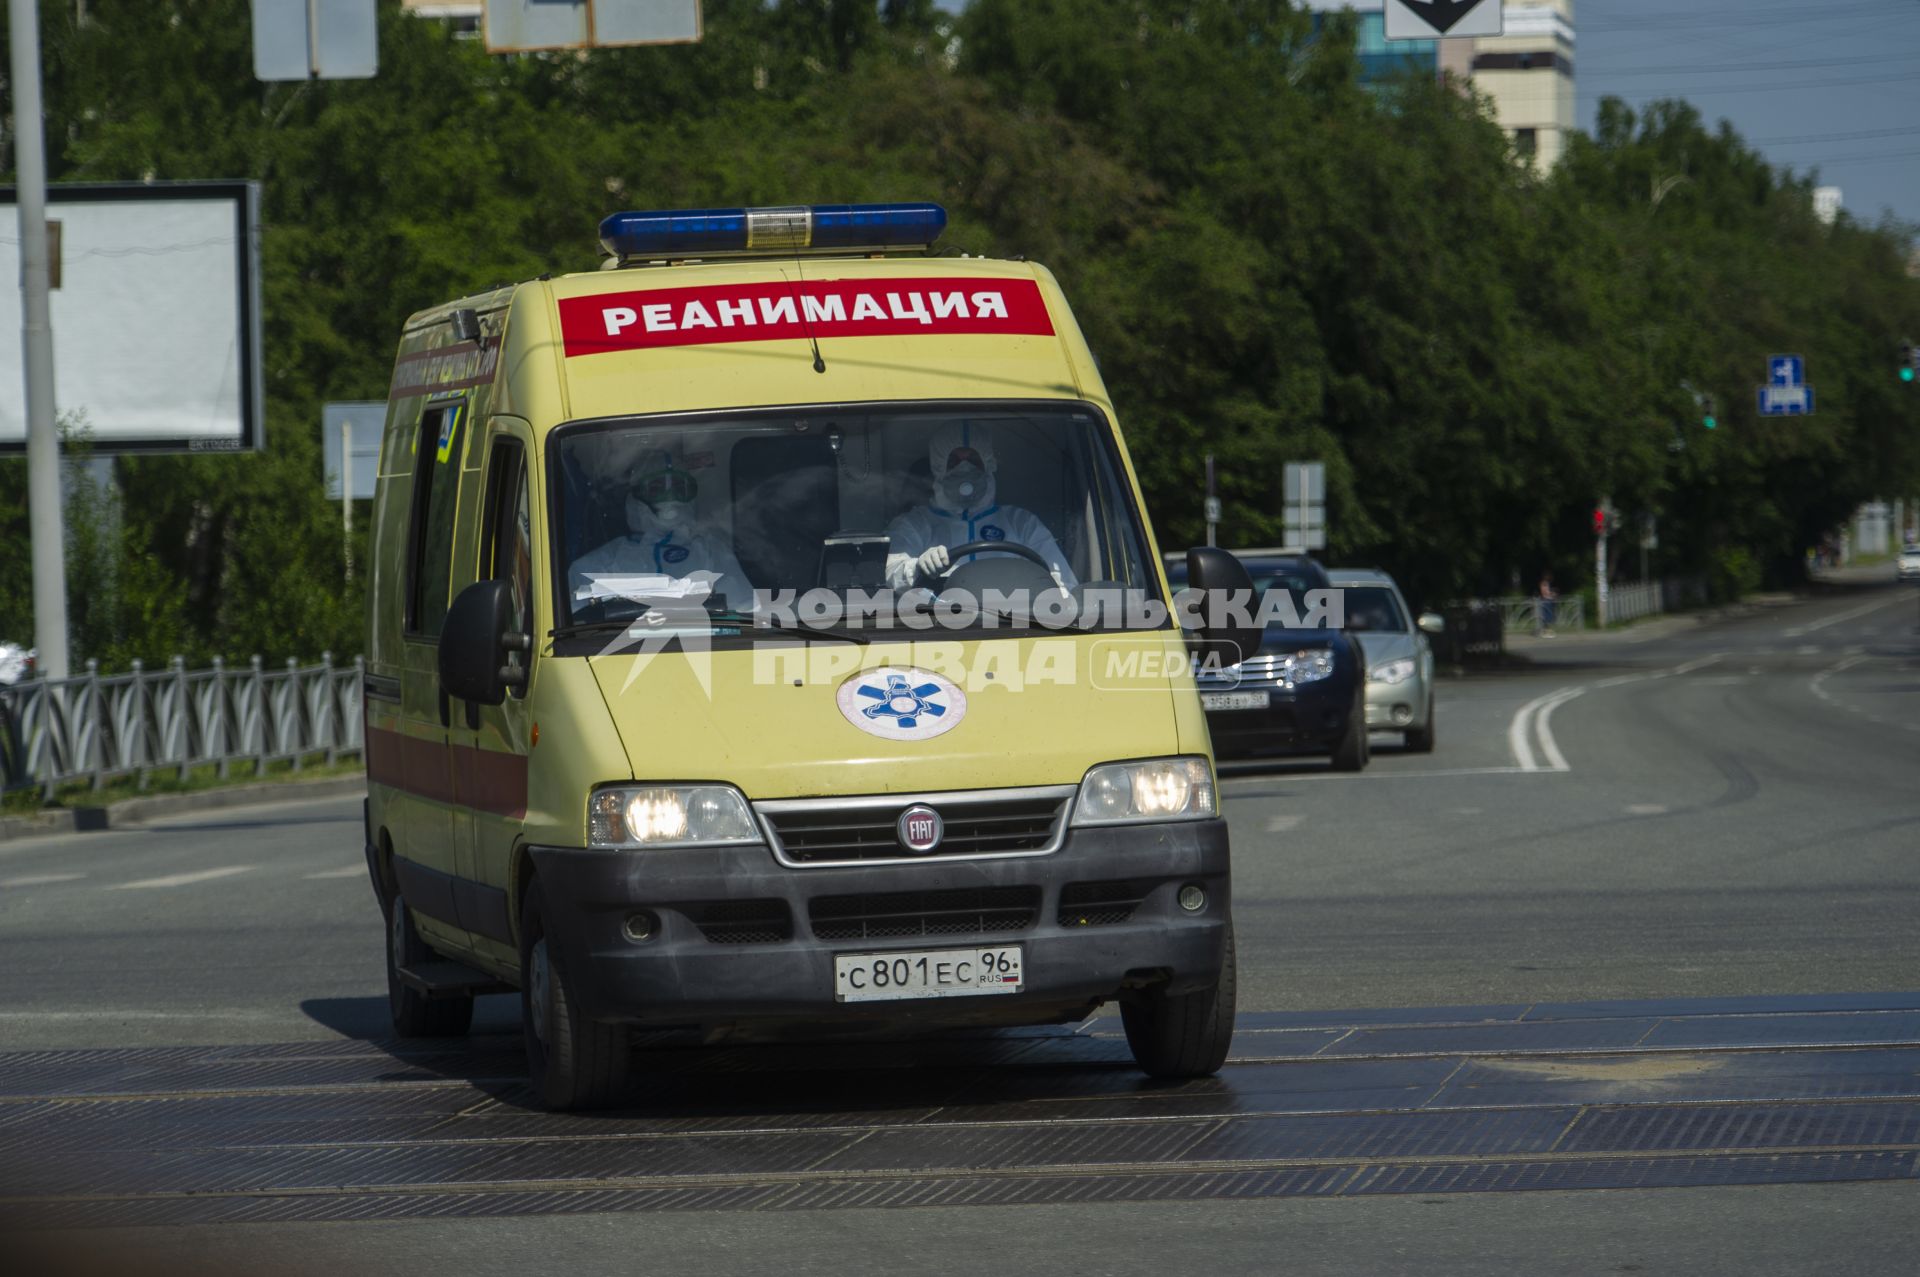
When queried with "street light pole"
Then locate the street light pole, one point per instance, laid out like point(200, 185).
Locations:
point(36, 330)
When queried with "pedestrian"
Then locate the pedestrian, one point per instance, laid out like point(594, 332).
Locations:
point(1543, 599)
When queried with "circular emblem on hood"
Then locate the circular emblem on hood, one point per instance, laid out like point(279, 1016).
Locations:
point(901, 704)
point(920, 828)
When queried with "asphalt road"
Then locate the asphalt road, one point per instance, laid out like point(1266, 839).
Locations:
point(1682, 811)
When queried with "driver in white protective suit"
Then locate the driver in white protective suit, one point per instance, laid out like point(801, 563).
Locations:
point(663, 540)
point(963, 509)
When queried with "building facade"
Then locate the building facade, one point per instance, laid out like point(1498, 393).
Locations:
point(463, 15)
point(1527, 70)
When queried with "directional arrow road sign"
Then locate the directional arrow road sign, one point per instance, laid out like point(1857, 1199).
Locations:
point(1431, 19)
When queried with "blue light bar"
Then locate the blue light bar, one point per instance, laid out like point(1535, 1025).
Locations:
point(692, 232)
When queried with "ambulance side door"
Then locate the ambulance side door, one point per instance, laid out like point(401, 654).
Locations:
point(424, 859)
point(491, 742)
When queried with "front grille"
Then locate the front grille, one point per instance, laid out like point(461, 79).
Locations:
point(741, 921)
point(832, 832)
point(900, 915)
point(1272, 669)
point(1102, 904)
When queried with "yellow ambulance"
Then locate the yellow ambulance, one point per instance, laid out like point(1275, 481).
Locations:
point(766, 635)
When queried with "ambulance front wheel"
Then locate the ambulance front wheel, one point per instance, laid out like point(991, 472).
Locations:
point(574, 1063)
point(1183, 1035)
point(415, 1015)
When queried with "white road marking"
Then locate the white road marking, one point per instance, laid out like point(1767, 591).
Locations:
point(1815, 682)
point(183, 880)
point(1519, 732)
point(1468, 811)
point(1821, 624)
point(1543, 725)
point(1533, 722)
point(1646, 809)
point(38, 880)
point(1374, 773)
point(345, 871)
point(1280, 824)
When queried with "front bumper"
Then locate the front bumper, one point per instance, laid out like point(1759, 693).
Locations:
point(1075, 955)
point(1310, 718)
point(1398, 707)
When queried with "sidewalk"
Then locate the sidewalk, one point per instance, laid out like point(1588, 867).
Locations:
point(1652, 627)
point(131, 811)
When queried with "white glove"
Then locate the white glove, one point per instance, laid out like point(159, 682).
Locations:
point(931, 563)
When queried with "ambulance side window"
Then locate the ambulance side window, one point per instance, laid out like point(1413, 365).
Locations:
point(436, 472)
point(507, 554)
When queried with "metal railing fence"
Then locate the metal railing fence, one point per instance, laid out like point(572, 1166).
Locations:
point(1521, 614)
point(1630, 602)
point(1626, 601)
point(95, 729)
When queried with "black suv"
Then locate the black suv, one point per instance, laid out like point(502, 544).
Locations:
point(1304, 693)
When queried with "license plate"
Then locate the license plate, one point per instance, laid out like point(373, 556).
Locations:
point(1235, 700)
point(926, 973)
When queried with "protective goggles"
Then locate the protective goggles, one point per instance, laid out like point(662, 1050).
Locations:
point(665, 485)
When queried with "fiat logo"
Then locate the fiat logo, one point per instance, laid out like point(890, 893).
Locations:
point(920, 828)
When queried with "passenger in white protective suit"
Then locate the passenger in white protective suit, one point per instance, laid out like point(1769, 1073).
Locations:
point(664, 539)
point(963, 509)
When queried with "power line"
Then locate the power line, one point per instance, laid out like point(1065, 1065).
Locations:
point(1747, 17)
point(1858, 136)
point(1804, 64)
point(1703, 91)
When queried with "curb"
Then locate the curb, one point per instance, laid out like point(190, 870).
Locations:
point(131, 811)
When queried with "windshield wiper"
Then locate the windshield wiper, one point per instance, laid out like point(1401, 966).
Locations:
point(593, 627)
point(718, 618)
point(841, 632)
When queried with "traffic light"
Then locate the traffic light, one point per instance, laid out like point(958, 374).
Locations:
point(1706, 405)
point(1599, 520)
point(1909, 362)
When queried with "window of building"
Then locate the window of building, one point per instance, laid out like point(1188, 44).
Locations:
point(1526, 143)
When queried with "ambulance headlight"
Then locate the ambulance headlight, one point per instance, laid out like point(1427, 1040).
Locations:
point(1153, 789)
point(669, 816)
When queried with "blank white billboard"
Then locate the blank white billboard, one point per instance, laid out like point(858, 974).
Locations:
point(156, 322)
point(315, 39)
point(520, 26)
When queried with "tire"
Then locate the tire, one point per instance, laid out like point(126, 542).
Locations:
point(415, 1015)
point(574, 1063)
point(1352, 753)
point(1183, 1035)
point(1420, 739)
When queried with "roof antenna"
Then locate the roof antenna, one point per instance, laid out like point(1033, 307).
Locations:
point(787, 227)
point(819, 364)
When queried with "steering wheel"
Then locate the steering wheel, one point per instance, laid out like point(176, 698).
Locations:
point(959, 552)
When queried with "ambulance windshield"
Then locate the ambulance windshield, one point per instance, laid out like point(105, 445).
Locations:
point(850, 520)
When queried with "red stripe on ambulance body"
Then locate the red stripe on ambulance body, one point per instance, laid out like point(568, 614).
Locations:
point(656, 317)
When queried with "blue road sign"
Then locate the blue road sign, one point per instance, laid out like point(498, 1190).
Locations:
point(1786, 401)
point(1786, 393)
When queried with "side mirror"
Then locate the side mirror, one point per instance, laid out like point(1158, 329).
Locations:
point(1432, 623)
point(474, 643)
point(1222, 579)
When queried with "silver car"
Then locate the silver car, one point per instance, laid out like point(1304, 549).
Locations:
point(1399, 658)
